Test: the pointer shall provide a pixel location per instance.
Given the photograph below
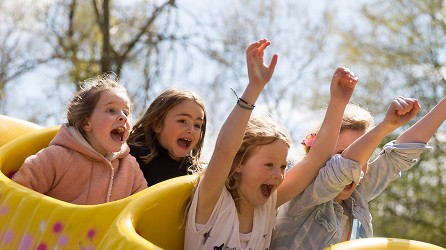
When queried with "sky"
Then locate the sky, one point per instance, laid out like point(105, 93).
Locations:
point(28, 96)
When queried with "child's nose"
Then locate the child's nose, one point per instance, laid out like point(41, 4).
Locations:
point(190, 128)
point(122, 117)
point(277, 173)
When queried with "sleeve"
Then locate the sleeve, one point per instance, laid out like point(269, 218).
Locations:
point(387, 167)
point(39, 172)
point(331, 179)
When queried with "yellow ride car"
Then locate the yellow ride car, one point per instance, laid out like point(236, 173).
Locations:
point(150, 219)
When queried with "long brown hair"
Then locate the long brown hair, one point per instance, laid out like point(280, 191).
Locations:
point(144, 134)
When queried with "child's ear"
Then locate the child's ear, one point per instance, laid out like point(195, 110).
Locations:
point(157, 128)
point(86, 126)
point(238, 169)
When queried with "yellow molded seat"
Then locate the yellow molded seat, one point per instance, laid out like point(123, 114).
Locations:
point(11, 128)
point(154, 220)
point(30, 220)
point(383, 243)
point(150, 219)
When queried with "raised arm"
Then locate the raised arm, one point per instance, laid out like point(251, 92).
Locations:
point(400, 111)
point(301, 175)
point(425, 128)
point(233, 130)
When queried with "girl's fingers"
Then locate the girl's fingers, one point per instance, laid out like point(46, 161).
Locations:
point(263, 45)
point(349, 78)
point(255, 45)
point(253, 52)
point(416, 106)
point(406, 105)
point(340, 71)
point(273, 62)
point(396, 105)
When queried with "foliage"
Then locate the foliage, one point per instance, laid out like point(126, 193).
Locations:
point(15, 59)
point(85, 38)
point(300, 39)
point(100, 36)
point(399, 46)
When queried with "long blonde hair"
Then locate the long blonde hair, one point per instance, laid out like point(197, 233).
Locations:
point(259, 131)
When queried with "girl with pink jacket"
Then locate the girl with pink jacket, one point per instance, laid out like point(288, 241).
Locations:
point(88, 161)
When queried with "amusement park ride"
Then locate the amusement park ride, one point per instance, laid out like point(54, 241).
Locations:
point(150, 219)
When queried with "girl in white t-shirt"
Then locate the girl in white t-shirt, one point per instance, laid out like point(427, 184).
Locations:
point(234, 204)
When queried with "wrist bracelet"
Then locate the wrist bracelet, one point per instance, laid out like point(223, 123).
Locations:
point(245, 102)
point(239, 103)
point(242, 103)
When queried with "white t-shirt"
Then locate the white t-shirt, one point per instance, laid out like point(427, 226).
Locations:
point(222, 229)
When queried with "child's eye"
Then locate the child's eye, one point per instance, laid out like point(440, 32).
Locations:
point(182, 121)
point(126, 112)
point(283, 167)
point(270, 165)
point(111, 110)
point(198, 126)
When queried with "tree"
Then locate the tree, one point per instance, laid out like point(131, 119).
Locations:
point(140, 42)
point(95, 37)
point(399, 46)
point(14, 46)
point(298, 35)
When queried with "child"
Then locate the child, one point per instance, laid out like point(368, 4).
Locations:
point(356, 121)
point(88, 161)
point(334, 208)
point(234, 204)
point(167, 140)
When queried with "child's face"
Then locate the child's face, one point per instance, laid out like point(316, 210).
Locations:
point(181, 129)
point(262, 173)
point(346, 138)
point(108, 127)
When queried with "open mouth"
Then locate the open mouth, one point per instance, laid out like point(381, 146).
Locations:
point(267, 189)
point(184, 142)
point(118, 134)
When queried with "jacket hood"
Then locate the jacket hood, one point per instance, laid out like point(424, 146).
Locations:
point(71, 138)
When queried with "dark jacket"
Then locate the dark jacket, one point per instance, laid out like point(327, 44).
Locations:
point(162, 167)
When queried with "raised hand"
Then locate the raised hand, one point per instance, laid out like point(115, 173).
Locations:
point(343, 83)
point(231, 134)
point(258, 72)
point(401, 110)
point(423, 130)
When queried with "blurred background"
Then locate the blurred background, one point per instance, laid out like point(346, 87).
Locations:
point(48, 47)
